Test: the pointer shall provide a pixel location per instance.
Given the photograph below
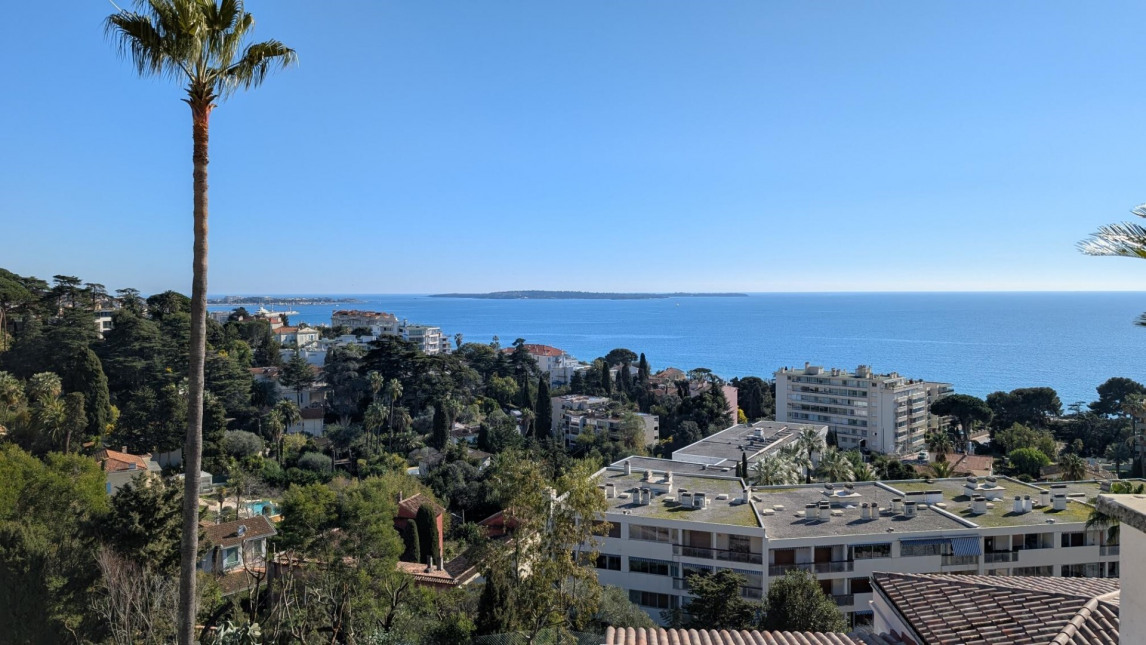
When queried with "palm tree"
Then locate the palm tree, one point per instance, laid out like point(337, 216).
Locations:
point(942, 469)
point(393, 395)
point(810, 442)
point(774, 471)
point(1127, 240)
point(11, 392)
point(836, 467)
point(798, 455)
point(374, 419)
point(376, 382)
point(199, 42)
point(1073, 467)
point(286, 414)
point(939, 442)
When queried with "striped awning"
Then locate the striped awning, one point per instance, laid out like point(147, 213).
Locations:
point(966, 546)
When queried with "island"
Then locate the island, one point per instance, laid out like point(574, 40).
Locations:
point(582, 295)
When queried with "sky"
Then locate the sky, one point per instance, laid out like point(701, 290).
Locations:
point(653, 145)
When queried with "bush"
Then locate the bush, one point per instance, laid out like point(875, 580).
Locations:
point(314, 461)
point(1028, 461)
point(240, 443)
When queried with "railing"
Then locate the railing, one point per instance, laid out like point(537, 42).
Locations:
point(844, 599)
point(1109, 550)
point(954, 560)
point(693, 551)
point(842, 566)
point(1001, 556)
point(740, 556)
point(781, 569)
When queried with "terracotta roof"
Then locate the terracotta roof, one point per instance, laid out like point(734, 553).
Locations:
point(408, 508)
point(227, 533)
point(974, 464)
point(458, 571)
point(114, 461)
point(364, 314)
point(662, 636)
point(269, 371)
point(282, 331)
point(1021, 610)
point(537, 350)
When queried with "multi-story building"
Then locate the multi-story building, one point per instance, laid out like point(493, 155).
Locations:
point(575, 414)
point(559, 365)
point(354, 318)
point(884, 413)
point(670, 518)
point(427, 338)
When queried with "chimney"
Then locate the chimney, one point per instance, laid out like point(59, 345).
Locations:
point(978, 505)
point(865, 511)
point(1060, 502)
point(875, 510)
point(1044, 498)
point(668, 477)
point(747, 494)
point(1019, 504)
point(1027, 508)
point(430, 566)
point(628, 467)
point(825, 511)
point(909, 509)
point(812, 511)
point(610, 490)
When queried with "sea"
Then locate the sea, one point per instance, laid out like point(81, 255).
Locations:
point(979, 342)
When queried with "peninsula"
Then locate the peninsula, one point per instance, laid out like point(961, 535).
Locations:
point(582, 295)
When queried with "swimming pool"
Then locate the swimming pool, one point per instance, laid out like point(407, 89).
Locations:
point(261, 507)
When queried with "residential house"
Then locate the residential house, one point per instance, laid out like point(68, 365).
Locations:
point(297, 336)
point(408, 511)
point(312, 421)
point(120, 467)
point(559, 365)
point(574, 414)
point(656, 635)
point(235, 550)
point(354, 318)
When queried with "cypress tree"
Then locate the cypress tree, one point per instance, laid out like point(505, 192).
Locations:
point(543, 413)
point(413, 543)
point(428, 533)
point(440, 434)
point(606, 381)
point(495, 608)
point(84, 374)
point(744, 465)
point(577, 383)
point(643, 371)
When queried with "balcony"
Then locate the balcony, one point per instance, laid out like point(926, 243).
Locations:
point(843, 566)
point(781, 569)
point(844, 599)
point(718, 554)
point(693, 552)
point(959, 560)
point(1001, 556)
point(1109, 550)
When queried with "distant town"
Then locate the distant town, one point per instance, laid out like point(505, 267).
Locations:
point(582, 295)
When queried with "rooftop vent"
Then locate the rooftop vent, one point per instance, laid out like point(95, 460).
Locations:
point(1059, 502)
point(909, 509)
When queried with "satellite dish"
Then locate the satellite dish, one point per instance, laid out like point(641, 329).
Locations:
point(242, 530)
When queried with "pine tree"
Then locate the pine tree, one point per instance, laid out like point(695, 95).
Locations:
point(84, 374)
point(543, 413)
point(495, 611)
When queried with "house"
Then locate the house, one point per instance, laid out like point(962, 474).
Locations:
point(650, 635)
point(1019, 610)
point(408, 510)
point(312, 421)
point(120, 467)
point(296, 336)
point(550, 360)
point(235, 549)
point(455, 573)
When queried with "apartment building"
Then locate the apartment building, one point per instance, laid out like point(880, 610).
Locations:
point(671, 518)
point(574, 414)
point(427, 338)
point(354, 318)
point(559, 365)
point(756, 441)
point(885, 413)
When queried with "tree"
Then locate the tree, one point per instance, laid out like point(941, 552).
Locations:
point(543, 413)
point(240, 444)
point(1112, 393)
point(775, 471)
point(1119, 452)
point(939, 442)
point(199, 42)
point(1020, 436)
point(1127, 240)
point(428, 535)
point(717, 603)
point(967, 410)
point(1032, 406)
point(144, 522)
point(616, 610)
point(1028, 461)
point(796, 603)
point(297, 375)
point(286, 414)
point(835, 466)
point(495, 613)
point(754, 396)
point(440, 435)
point(1073, 467)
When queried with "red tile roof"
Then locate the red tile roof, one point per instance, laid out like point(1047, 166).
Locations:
point(114, 461)
point(282, 331)
point(1020, 610)
point(458, 571)
point(227, 533)
point(364, 314)
point(408, 508)
point(662, 636)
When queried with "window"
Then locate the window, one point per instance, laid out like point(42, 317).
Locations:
point(652, 567)
point(871, 551)
point(860, 585)
point(231, 557)
point(654, 600)
point(1073, 539)
point(649, 533)
point(908, 549)
point(610, 562)
point(739, 543)
point(614, 530)
point(1033, 571)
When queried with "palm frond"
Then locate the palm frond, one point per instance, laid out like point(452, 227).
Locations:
point(138, 40)
point(1122, 240)
point(258, 59)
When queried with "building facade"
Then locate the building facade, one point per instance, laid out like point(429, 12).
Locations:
point(354, 318)
point(884, 413)
point(574, 414)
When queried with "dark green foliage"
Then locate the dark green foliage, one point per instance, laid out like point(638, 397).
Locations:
point(240, 444)
point(577, 383)
point(543, 418)
point(1031, 406)
point(796, 603)
point(162, 305)
point(144, 522)
point(84, 374)
point(754, 395)
point(413, 543)
point(229, 381)
point(495, 613)
point(297, 376)
point(967, 410)
point(717, 602)
point(1112, 393)
point(428, 534)
point(314, 461)
point(440, 433)
point(151, 421)
point(1028, 461)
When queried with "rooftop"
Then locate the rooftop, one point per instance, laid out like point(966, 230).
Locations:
point(116, 461)
point(236, 531)
point(677, 467)
point(663, 495)
point(662, 636)
point(782, 511)
point(754, 439)
point(1001, 512)
point(1001, 609)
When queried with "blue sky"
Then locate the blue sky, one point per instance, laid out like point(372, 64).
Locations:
point(598, 145)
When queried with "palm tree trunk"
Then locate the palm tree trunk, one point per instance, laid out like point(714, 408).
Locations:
point(193, 446)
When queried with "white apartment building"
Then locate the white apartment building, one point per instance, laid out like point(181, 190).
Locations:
point(884, 413)
point(427, 338)
point(670, 518)
point(755, 441)
point(550, 360)
point(574, 414)
point(354, 318)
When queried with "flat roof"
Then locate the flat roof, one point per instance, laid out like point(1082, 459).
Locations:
point(1001, 512)
point(730, 511)
point(656, 463)
point(784, 523)
point(754, 439)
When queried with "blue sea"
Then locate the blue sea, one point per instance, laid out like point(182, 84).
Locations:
point(980, 342)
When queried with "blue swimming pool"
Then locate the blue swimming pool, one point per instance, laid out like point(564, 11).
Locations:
point(261, 507)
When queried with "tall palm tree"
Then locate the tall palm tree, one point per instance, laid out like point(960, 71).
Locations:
point(939, 442)
point(287, 414)
point(810, 442)
point(800, 458)
point(201, 43)
point(1073, 467)
point(376, 382)
point(1127, 240)
point(835, 466)
point(393, 395)
point(374, 419)
point(774, 471)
